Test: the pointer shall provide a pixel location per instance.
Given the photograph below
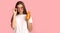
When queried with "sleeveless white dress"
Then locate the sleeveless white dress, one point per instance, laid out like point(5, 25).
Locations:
point(21, 25)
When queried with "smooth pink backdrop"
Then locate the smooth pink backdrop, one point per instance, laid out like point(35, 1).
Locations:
point(45, 13)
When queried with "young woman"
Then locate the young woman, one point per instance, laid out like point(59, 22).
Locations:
point(21, 21)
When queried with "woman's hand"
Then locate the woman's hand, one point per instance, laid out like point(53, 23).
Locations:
point(15, 11)
point(28, 16)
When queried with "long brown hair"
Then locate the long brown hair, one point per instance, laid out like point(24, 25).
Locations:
point(24, 9)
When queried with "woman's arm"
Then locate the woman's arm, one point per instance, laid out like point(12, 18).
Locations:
point(29, 25)
point(29, 19)
point(13, 22)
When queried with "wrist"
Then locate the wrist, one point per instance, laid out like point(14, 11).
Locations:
point(14, 14)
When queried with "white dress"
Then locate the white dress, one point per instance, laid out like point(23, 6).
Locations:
point(21, 25)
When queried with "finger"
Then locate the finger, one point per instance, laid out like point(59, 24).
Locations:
point(28, 12)
point(16, 9)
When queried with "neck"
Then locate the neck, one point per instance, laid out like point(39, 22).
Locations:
point(21, 12)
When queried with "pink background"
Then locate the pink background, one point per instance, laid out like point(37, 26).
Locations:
point(45, 13)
